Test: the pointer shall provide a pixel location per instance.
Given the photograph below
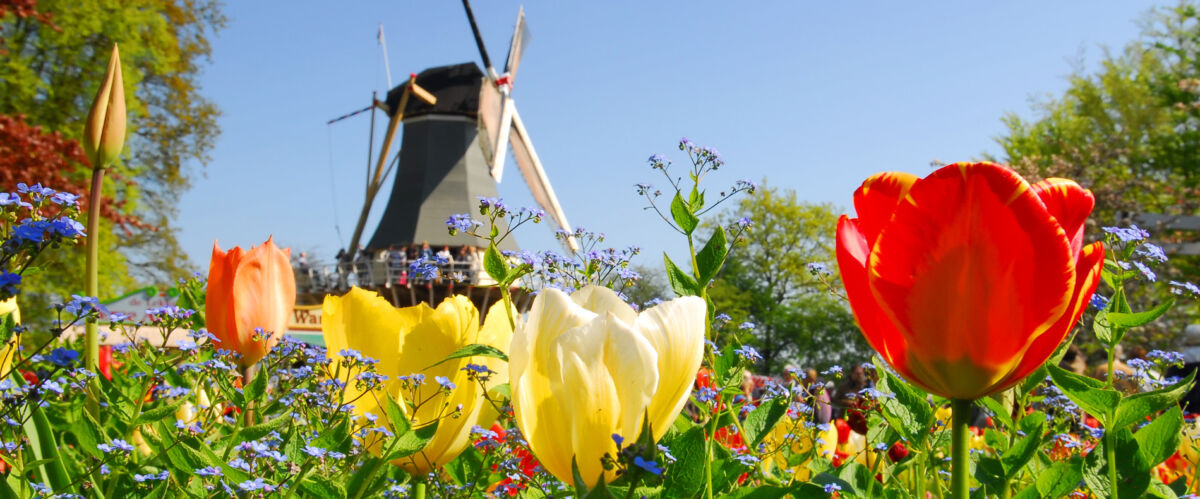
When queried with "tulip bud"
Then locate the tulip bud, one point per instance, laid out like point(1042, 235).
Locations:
point(104, 132)
point(249, 290)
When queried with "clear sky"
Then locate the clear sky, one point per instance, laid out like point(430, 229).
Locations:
point(812, 96)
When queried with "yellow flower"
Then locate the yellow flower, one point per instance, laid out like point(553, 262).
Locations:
point(588, 366)
point(104, 131)
point(793, 433)
point(408, 341)
point(9, 353)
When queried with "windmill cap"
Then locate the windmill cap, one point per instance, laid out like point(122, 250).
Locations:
point(1191, 335)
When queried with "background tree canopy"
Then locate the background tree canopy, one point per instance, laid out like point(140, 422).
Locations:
point(1130, 132)
point(54, 53)
point(767, 282)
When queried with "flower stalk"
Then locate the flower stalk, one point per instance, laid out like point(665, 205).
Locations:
point(960, 465)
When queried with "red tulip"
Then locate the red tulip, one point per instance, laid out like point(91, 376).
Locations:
point(967, 280)
point(248, 290)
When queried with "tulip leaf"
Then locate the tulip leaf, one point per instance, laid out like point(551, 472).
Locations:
point(1132, 320)
point(1024, 449)
point(1135, 408)
point(683, 215)
point(1159, 439)
point(907, 411)
point(1089, 394)
point(412, 441)
point(712, 256)
point(681, 283)
point(494, 263)
point(763, 419)
point(474, 350)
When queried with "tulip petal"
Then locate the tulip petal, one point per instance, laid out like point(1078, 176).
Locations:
point(609, 375)
point(218, 303)
point(975, 236)
point(881, 334)
point(601, 300)
point(676, 331)
point(534, 367)
point(1068, 203)
point(263, 294)
point(1087, 277)
point(876, 199)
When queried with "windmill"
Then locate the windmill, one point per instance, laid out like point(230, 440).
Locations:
point(453, 148)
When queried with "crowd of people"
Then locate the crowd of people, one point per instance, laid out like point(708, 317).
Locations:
point(384, 267)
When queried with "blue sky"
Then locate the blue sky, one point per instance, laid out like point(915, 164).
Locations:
point(812, 96)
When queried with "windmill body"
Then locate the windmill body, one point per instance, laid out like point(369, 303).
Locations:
point(442, 168)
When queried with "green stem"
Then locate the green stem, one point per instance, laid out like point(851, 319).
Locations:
point(1110, 456)
point(248, 372)
point(708, 462)
point(92, 288)
point(419, 493)
point(960, 465)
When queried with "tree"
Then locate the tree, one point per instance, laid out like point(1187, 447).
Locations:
point(767, 281)
point(54, 59)
point(1130, 132)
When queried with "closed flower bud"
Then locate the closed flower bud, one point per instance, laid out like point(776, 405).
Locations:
point(104, 132)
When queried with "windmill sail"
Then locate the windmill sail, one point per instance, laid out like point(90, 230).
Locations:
point(535, 176)
point(516, 46)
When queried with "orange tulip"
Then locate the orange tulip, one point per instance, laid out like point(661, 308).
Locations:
point(248, 290)
point(967, 280)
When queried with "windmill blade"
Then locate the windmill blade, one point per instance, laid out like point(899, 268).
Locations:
point(516, 46)
point(535, 176)
point(490, 102)
point(487, 61)
point(503, 128)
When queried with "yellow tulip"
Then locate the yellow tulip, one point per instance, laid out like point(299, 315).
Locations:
point(9, 353)
point(792, 431)
point(407, 341)
point(104, 132)
point(588, 366)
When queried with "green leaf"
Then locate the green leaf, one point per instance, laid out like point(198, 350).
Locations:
point(1132, 320)
point(494, 263)
point(413, 441)
point(760, 492)
point(1024, 449)
point(681, 283)
point(157, 414)
point(335, 437)
point(762, 420)
point(258, 386)
point(464, 467)
point(1159, 439)
point(261, 430)
point(395, 414)
point(473, 350)
point(1134, 409)
point(1103, 329)
point(683, 216)
point(322, 487)
point(685, 476)
point(998, 411)
point(1060, 479)
point(908, 411)
point(712, 255)
point(1089, 394)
